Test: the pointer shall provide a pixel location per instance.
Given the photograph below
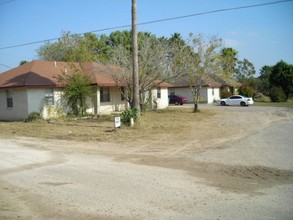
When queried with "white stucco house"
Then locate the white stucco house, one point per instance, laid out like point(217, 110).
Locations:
point(34, 87)
point(159, 96)
point(209, 92)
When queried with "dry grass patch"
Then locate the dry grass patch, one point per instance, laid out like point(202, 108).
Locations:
point(176, 122)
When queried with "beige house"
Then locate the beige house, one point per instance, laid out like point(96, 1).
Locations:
point(209, 92)
point(34, 87)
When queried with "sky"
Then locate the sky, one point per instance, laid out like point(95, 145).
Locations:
point(263, 35)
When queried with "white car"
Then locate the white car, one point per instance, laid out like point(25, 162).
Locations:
point(237, 100)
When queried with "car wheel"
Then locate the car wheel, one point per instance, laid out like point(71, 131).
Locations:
point(181, 103)
point(176, 103)
point(242, 104)
point(223, 103)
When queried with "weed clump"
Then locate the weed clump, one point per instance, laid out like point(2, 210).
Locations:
point(34, 116)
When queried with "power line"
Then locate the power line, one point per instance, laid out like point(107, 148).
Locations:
point(215, 11)
point(5, 66)
point(154, 21)
point(2, 3)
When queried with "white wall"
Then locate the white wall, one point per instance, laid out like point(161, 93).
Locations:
point(160, 103)
point(26, 101)
point(115, 103)
point(19, 111)
point(58, 109)
point(36, 99)
point(95, 106)
point(213, 94)
point(205, 94)
point(209, 95)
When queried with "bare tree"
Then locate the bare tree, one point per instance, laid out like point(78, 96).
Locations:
point(158, 62)
point(201, 61)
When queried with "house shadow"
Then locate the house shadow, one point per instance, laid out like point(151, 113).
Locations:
point(29, 79)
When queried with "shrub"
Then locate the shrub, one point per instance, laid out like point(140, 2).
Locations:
point(127, 114)
point(277, 94)
point(225, 93)
point(246, 90)
point(33, 117)
point(259, 97)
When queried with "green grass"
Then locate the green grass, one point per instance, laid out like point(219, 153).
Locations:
point(288, 104)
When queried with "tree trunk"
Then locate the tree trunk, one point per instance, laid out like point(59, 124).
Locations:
point(195, 100)
point(195, 109)
point(135, 59)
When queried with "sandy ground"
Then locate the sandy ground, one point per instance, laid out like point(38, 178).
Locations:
point(245, 174)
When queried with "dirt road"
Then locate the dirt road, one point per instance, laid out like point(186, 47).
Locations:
point(247, 174)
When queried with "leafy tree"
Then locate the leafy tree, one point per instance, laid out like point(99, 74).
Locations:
point(177, 49)
point(246, 90)
point(225, 93)
point(245, 70)
point(263, 81)
point(177, 39)
point(23, 62)
point(229, 61)
point(204, 59)
point(75, 48)
point(122, 38)
point(77, 89)
point(282, 76)
point(277, 94)
point(252, 82)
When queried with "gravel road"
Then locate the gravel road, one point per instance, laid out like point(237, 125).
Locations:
point(246, 177)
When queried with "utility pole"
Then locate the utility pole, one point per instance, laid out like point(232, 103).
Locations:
point(135, 59)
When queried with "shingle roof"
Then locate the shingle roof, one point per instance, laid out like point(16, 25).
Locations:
point(164, 85)
point(226, 81)
point(33, 74)
point(41, 73)
point(101, 74)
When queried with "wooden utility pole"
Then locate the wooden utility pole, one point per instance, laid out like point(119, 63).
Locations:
point(135, 58)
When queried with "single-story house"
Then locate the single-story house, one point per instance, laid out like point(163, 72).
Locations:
point(34, 87)
point(159, 95)
point(209, 92)
point(228, 83)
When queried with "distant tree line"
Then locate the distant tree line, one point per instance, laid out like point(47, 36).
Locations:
point(275, 81)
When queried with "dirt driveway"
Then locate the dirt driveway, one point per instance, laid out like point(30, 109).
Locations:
point(237, 166)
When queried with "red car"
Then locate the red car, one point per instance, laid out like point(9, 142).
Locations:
point(177, 99)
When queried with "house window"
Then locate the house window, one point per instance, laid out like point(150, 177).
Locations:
point(159, 92)
point(49, 97)
point(105, 94)
point(9, 99)
point(122, 91)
